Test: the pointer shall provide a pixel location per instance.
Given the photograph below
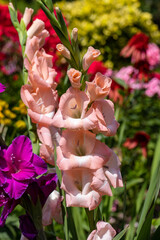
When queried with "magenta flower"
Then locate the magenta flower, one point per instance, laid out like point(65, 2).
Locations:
point(19, 165)
point(2, 88)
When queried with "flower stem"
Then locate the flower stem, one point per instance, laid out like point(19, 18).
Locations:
point(90, 215)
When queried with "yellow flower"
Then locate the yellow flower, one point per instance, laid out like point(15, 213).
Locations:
point(20, 124)
point(9, 114)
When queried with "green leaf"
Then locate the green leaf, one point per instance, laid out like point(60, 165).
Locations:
point(62, 22)
point(14, 19)
point(153, 187)
point(146, 228)
point(121, 82)
point(121, 234)
point(50, 15)
point(49, 4)
point(156, 234)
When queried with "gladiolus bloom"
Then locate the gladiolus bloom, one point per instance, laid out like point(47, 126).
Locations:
point(72, 112)
point(108, 175)
point(79, 192)
point(19, 165)
point(82, 150)
point(99, 88)
point(104, 232)
point(106, 122)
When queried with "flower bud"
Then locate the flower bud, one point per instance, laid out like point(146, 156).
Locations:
point(74, 77)
point(11, 5)
point(27, 15)
point(90, 57)
point(36, 28)
point(75, 34)
point(63, 50)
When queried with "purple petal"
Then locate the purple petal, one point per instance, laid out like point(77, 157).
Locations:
point(3, 163)
point(14, 188)
point(27, 171)
point(8, 208)
point(47, 184)
point(2, 88)
point(27, 227)
point(42, 187)
point(20, 149)
point(3, 197)
point(2, 179)
point(39, 164)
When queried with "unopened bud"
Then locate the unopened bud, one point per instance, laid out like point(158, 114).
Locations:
point(11, 5)
point(27, 15)
point(63, 50)
point(36, 28)
point(75, 34)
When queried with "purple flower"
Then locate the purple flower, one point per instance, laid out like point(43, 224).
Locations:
point(27, 227)
point(18, 166)
point(42, 187)
point(2, 88)
point(39, 189)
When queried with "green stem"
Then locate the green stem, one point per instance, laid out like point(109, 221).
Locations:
point(90, 215)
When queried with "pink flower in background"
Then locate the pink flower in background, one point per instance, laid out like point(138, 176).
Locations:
point(106, 123)
point(72, 112)
point(89, 57)
point(127, 74)
point(99, 88)
point(153, 54)
point(82, 150)
point(2, 88)
point(152, 87)
point(104, 232)
point(79, 192)
point(130, 76)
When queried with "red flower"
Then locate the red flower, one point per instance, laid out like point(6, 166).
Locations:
point(6, 26)
point(136, 47)
point(140, 138)
point(95, 67)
